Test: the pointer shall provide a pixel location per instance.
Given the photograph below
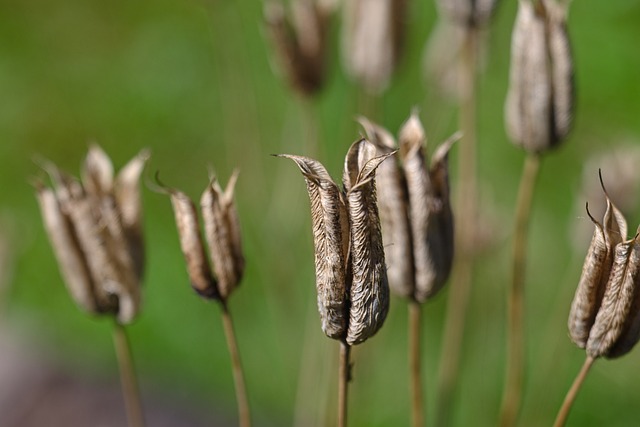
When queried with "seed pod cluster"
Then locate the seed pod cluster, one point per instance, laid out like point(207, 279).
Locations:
point(95, 229)
point(351, 276)
point(540, 100)
point(605, 313)
point(415, 211)
point(222, 233)
point(372, 40)
point(300, 42)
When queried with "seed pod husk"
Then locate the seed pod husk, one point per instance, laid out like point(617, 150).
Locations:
point(329, 219)
point(614, 331)
point(222, 230)
point(595, 273)
point(468, 13)
point(369, 292)
point(539, 106)
point(393, 205)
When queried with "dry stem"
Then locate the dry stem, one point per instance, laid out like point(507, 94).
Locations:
point(128, 379)
point(345, 376)
point(465, 234)
point(417, 409)
point(514, 380)
point(244, 415)
point(563, 414)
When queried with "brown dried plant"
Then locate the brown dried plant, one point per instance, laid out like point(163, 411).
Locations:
point(222, 234)
point(351, 276)
point(417, 226)
point(94, 227)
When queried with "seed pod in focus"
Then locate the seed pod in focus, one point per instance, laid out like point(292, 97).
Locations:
point(468, 13)
point(300, 42)
point(94, 227)
point(539, 106)
point(595, 273)
point(372, 41)
point(222, 230)
point(351, 279)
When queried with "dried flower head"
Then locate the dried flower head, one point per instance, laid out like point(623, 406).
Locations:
point(300, 41)
point(468, 13)
point(373, 40)
point(351, 277)
point(539, 106)
point(95, 229)
point(417, 221)
point(222, 232)
point(605, 313)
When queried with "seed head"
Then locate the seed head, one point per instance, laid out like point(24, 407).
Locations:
point(539, 106)
point(351, 277)
point(95, 229)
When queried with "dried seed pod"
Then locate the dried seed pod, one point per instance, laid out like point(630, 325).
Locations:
point(369, 292)
point(539, 106)
point(300, 42)
point(468, 13)
point(100, 255)
point(615, 318)
point(222, 230)
point(393, 205)
point(351, 280)
point(330, 224)
point(372, 41)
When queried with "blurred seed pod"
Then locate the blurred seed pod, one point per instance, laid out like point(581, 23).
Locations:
point(222, 231)
point(351, 277)
point(415, 211)
point(540, 100)
point(373, 39)
point(468, 13)
point(300, 42)
point(95, 229)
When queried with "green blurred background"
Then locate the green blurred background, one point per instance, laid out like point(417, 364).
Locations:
point(193, 81)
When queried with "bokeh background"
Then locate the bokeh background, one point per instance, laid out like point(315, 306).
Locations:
point(193, 81)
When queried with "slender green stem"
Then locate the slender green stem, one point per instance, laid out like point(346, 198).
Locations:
point(343, 381)
point(244, 415)
point(417, 408)
point(514, 380)
point(465, 234)
point(563, 414)
point(130, 391)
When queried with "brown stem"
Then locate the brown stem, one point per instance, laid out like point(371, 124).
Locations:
point(244, 415)
point(343, 381)
point(563, 414)
point(128, 379)
point(514, 379)
point(465, 234)
point(417, 409)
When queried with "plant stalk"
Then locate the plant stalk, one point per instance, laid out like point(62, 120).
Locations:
point(417, 408)
point(563, 414)
point(343, 381)
point(244, 415)
point(130, 390)
point(465, 234)
point(514, 379)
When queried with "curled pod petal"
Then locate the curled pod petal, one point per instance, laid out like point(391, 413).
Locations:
point(393, 205)
point(614, 314)
point(223, 235)
point(97, 171)
point(369, 293)
point(595, 274)
point(73, 267)
point(330, 223)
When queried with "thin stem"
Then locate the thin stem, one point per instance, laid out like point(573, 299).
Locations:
point(467, 207)
point(244, 415)
point(343, 381)
point(417, 409)
point(128, 379)
point(514, 380)
point(563, 414)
